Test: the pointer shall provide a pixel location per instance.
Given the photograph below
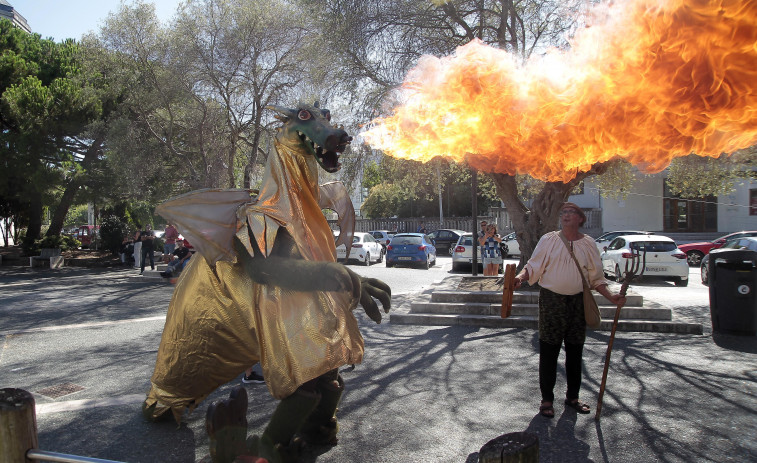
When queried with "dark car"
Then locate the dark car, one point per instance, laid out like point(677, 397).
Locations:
point(445, 239)
point(411, 249)
point(696, 251)
point(735, 243)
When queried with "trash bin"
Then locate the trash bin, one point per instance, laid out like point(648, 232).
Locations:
point(733, 288)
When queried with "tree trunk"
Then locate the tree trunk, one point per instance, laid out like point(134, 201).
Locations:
point(59, 217)
point(35, 215)
point(531, 224)
point(73, 186)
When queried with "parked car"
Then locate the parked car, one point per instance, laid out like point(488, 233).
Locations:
point(411, 249)
point(365, 249)
point(663, 258)
point(606, 238)
point(87, 234)
point(696, 251)
point(445, 239)
point(513, 248)
point(735, 243)
point(382, 236)
point(462, 254)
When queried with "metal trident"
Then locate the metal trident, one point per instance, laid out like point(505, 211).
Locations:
point(635, 266)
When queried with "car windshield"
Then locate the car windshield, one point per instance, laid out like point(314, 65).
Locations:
point(466, 240)
point(654, 246)
point(356, 239)
point(406, 240)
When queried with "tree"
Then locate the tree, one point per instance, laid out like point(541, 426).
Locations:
point(649, 104)
point(51, 113)
point(198, 87)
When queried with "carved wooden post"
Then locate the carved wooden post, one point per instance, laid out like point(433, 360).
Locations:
point(18, 425)
point(520, 447)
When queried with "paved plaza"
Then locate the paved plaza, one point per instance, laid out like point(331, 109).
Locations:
point(422, 394)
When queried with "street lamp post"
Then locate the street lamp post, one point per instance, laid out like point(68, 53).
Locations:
point(474, 211)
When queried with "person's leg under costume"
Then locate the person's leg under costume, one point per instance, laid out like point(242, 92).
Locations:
point(309, 412)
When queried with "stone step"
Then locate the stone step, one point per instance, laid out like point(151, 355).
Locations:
point(519, 297)
point(479, 308)
point(531, 322)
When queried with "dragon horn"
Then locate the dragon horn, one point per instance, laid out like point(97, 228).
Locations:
point(286, 112)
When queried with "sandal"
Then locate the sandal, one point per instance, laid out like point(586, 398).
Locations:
point(578, 406)
point(547, 411)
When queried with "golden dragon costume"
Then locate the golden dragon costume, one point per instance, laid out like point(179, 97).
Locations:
point(267, 288)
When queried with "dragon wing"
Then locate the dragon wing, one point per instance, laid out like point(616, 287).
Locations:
point(208, 219)
point(334, 196)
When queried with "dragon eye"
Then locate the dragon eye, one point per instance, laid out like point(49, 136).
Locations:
point(304, 115)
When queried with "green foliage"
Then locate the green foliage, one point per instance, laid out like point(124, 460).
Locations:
point(617, 180)
point(112, 233)
point(32, 247)
point(76, 215)
point(158, 244)
point(411, 189)
point(696, 177)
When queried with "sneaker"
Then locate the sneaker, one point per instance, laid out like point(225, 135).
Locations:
point(254, 378)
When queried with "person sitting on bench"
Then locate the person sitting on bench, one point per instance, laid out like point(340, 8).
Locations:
point(180, 258)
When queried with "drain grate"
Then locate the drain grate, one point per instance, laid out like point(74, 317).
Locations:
point(60, 390)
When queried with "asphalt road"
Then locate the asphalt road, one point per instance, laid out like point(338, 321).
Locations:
point(422, 394)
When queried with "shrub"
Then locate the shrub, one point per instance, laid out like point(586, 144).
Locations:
point(63, 242)
point(112, 232)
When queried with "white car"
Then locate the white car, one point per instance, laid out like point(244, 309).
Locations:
point(605, 239)
point(462, 256)
point(513, 248)
point(663, 258)
point(365, 249)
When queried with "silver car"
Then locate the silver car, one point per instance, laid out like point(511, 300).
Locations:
point(513, 248)
point(462, 255)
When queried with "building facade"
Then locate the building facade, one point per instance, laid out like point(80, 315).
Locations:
point(649, 205)
point(8, 12)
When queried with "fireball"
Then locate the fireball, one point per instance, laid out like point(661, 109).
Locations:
point(653, 80)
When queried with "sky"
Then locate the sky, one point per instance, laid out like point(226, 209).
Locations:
point(63, 19)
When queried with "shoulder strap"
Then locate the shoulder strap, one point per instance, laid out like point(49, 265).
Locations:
point(565, 242)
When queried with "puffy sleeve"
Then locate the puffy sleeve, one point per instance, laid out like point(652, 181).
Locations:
point(540, 258)
point(595, 274)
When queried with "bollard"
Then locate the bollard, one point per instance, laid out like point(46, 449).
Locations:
point(18, 425)
point(520, 447)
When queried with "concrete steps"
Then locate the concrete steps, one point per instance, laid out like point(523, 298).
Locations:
point(446, 307)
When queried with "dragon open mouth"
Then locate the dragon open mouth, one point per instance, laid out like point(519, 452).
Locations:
point(327, 159)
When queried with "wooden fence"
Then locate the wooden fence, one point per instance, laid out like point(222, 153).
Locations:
point(592, 227)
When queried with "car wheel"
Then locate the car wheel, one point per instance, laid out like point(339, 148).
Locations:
point(367, 259)
point(618, 274)
point(456, 267)
point(694, 258)
point(381, 257)
point(681, 282)
point(389, 264)
point(426, 266)
point(705, 274)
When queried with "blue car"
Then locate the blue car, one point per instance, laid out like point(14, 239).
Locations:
point(411, 249)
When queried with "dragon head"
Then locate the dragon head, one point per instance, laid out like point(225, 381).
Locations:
point(312, 126)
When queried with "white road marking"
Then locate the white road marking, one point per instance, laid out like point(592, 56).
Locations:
point(75, 405)
point(44, 329)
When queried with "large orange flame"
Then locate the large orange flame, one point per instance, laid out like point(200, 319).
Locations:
point(657, 79)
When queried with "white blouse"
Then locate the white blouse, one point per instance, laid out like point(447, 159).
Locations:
point(554, 269)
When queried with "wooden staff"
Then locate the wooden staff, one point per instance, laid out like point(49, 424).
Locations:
point(507, 290)
point(634, 267)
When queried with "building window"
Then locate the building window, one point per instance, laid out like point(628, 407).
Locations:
point(753, 201)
